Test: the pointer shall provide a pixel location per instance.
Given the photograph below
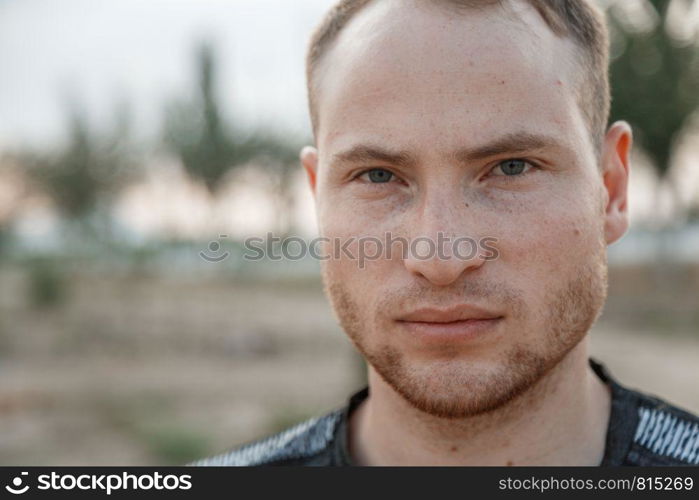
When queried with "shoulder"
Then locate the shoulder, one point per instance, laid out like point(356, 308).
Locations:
point(306, 443)
point(645, 430)
point(664, 434)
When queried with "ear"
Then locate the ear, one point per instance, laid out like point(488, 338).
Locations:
point(615, 171)
point(309, 160)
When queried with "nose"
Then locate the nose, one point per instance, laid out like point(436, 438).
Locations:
point(444, 244)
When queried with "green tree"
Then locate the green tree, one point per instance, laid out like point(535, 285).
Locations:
point(654, 78)
point(85, 174)
point(210, 148)
point(81, 178)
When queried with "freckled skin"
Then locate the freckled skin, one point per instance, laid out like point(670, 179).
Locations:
point(395, 81)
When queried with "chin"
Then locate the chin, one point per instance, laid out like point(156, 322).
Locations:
point(460, 387)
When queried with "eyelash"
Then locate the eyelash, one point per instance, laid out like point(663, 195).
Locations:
point(533, 166)
point(368, 170)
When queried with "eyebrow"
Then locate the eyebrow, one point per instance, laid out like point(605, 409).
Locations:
point(368, 153)
point(513, 143)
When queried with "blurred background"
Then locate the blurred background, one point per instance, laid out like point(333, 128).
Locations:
point(139, 141)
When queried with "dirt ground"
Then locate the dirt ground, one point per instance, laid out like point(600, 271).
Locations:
point(144, 370)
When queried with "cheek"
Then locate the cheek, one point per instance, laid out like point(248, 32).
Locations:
point(357, 231)
point(353, 293)
point(542, 242)
point(352, 216)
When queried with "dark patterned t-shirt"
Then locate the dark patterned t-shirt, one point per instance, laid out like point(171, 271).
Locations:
point(643, 431)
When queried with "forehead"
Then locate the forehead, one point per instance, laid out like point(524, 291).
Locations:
point(408, 71)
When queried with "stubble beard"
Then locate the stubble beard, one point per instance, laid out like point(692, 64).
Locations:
point(456, 388)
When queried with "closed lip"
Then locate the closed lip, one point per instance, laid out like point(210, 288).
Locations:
point(448, 315)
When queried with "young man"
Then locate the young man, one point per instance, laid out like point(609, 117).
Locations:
point(479, 120)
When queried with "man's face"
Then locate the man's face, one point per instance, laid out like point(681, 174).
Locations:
point(419, 111)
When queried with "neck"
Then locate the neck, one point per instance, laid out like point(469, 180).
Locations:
point(560, 420)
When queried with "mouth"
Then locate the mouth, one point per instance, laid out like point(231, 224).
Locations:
point(449, 325)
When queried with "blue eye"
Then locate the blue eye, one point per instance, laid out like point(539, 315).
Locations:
point(379, 175)
point(511, 167)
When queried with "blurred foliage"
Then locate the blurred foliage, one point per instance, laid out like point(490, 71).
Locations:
point(146, 418)
point(654, 73)
point(209, 148)
point(89, 170)
point(175, 445)
point(81, 178)
point(46, 284)
point(4, 238)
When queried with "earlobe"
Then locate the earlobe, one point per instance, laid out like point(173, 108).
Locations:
point(616, 167)
point(309, 160)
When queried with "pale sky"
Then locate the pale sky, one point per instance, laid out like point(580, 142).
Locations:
point(142, 51)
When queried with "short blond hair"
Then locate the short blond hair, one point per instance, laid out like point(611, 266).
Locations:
point(581, 20)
